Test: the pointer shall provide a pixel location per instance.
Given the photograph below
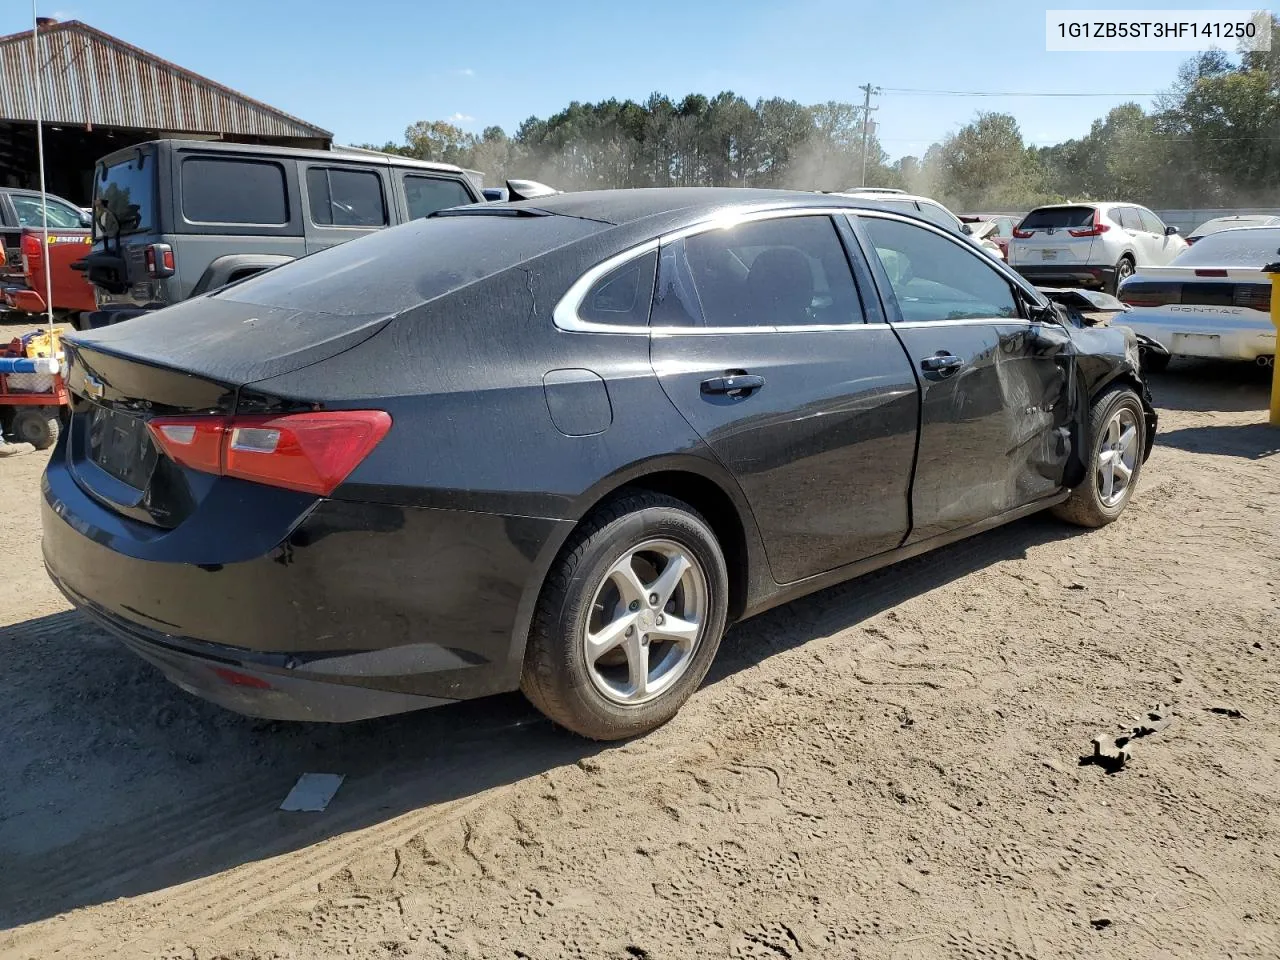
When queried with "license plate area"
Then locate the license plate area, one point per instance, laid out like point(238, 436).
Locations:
point(120, 445)
point(1197, 344)
point(1049, 254)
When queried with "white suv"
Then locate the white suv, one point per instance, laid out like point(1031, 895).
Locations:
point(1090, 244)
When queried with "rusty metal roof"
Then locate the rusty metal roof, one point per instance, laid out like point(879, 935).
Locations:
point(90, 77)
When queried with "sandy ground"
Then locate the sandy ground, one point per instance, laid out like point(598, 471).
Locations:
point(888, 769)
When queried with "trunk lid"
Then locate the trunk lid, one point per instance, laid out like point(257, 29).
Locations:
point(192, 358)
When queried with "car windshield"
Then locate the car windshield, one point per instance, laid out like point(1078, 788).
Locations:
point(126, 189)
point(1058, 218)
point(1248, 247)
point(397, 269)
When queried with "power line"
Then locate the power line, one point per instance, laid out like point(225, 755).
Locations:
point(915, 91)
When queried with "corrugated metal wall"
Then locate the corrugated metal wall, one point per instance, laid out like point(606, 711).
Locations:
point(90, 77)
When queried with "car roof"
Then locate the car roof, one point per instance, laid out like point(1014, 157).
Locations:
point(346, 154)
point(882, 195)
point(690, 204)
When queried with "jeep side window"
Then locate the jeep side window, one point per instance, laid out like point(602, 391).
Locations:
point(426, 195)
point(234, 191)
point(342, 197)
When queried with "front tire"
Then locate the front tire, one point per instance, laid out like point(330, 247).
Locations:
point(1124, 270)
point(629, 619)
point(1117, 426)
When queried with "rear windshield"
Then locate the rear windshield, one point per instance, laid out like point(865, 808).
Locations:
point(127, 189)
point(1252, 247)
point(396, 269)
point(1058, 217)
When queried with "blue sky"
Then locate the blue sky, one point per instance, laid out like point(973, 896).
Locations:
point(365, 70)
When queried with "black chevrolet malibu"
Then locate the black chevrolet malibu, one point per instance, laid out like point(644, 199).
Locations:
point(559, 444)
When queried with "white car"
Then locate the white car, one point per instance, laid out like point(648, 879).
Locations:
point(891, 199)
point(1212, 301)
point(1090, 244)
point(1230, 223)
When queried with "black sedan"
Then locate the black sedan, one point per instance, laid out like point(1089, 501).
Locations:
point(559, 444)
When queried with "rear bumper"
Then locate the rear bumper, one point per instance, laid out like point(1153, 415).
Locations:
point(24, 300)
point(1190, 334)
point(360, 610)
point(1067, 274)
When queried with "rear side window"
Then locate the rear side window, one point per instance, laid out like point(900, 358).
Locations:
point(341, 197)
point(1059, 218)
point(786, 272)
point(426, 195)
point(622, 297)
point(234, 191)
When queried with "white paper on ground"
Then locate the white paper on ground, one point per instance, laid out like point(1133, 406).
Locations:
point(312, 792)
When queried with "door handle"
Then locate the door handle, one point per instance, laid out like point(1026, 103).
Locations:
point(941, 362)
point(738, 385)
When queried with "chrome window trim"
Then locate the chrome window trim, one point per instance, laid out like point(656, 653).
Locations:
point(565, 314)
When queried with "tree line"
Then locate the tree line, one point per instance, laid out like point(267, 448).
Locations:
point(1212, 139)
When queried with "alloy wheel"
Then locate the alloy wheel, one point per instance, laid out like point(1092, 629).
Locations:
point(647, 617)
point(1117, 457)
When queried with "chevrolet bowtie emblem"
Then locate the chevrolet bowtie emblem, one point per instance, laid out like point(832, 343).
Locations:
point(93, 387)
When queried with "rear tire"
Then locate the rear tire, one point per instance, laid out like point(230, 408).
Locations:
point(36, 426)
point(598, 629)
point(1112, 452)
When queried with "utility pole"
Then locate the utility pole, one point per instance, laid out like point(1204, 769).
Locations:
point(867, 90)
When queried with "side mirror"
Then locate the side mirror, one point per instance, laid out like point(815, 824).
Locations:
point(1170, 231)
point(86, 218)
point(966, 228)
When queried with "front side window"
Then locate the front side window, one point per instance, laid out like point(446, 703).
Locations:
point(785, 272)
point(426, 195)
point(937, 215)
point(234, 191)
point(935, 278)
point(341, 197)
point(30, 213)
point(1150, 222)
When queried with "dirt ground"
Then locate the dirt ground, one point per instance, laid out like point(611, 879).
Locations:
point(888, 769)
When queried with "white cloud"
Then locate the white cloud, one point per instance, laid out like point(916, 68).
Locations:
point(462, 118)
point(465, 72)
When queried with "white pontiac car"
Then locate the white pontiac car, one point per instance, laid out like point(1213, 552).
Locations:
point(1230, 223)
point(1213, 300)
point(1094, 245)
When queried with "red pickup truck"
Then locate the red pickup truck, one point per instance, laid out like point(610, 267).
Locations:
point(72, 292)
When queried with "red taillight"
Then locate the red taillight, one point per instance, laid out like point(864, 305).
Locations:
point(1023, 234)
point(1191, 240)
point(310, 452)
point(1211, 273)
point(160, 262)
point(1097, 228)
point(30, 245)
